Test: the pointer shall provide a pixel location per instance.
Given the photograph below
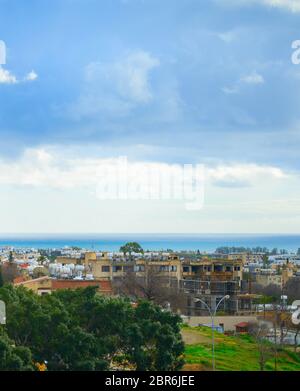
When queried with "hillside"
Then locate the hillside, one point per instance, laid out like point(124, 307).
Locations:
point(232, 353)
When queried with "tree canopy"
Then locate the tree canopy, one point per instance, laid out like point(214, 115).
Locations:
point(131, 247)
point(83, 330)
point(14, 358)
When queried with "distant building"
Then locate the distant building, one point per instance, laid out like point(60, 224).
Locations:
point(207, 278)
point(246, 257)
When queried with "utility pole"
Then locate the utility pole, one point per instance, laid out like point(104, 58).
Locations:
point(250, 283)
point(212, 313)
point(2, 312)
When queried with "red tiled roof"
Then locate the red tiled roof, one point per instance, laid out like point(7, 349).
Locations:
point(19, 279)
point(24, 265)
point(242, 324)
point(30, 280)
point(104, 285)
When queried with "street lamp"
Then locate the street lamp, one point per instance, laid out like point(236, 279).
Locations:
point(212, 314)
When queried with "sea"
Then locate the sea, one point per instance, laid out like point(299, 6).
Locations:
point(153, 242)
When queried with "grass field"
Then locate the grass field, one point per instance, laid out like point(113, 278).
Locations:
point(232, 353)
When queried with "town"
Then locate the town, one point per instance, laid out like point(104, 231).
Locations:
point(242, 286)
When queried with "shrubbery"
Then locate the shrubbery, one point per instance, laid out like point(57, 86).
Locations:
point(82, 330)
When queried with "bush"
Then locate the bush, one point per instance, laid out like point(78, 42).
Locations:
point(82, 330)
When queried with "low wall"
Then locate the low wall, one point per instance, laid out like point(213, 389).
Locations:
point(228, 322)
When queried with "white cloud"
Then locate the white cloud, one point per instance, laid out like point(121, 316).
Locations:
point(54, 189)
point(230, 90)
point(253, 78)
point(31, 76)
point(129, 76)
point(115, 88)
point(288, 5)
point(6, 77)
point(49, 167)
point(227, 36)
point(243, 175)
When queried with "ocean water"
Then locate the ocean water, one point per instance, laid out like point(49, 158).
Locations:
point(107, 242)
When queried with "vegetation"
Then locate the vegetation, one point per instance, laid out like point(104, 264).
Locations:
point(131, 247)
point(82, 330)
point(292, 289)
point(232, 353)
point(8, 272)
point(14, 358)
point(49, 254)
point(1, 277)
point(10, 257)
point(259, 332)
point(153, 287)
point(240, 249)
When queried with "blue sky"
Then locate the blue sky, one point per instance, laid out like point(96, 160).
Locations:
point(191, 81)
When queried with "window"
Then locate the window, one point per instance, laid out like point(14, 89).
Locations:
point(117, 269)
point(105, 269)
point(43, 293)
point(186, 269)
point(173, 268)
point(163, 268)
point(128, 269)
point(139, 268)
point(228, 268)
point(218, 268)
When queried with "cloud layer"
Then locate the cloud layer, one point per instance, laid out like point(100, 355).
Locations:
point(44, 167)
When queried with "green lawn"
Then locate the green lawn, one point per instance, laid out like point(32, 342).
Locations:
point(231, 353)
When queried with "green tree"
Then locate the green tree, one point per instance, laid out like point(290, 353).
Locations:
point(131, 247)
point(266, 261)
point(40, 271)
point(42, 258)
point(146, 337)
point(14, 358)
point(83, 330)
point(154, 340)
point(11, 257)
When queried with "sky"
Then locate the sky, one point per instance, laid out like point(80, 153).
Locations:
point(162, 84)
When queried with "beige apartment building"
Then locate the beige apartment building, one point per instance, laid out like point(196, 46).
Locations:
point(214, 270)
point(104, 267)
point(65, 260)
